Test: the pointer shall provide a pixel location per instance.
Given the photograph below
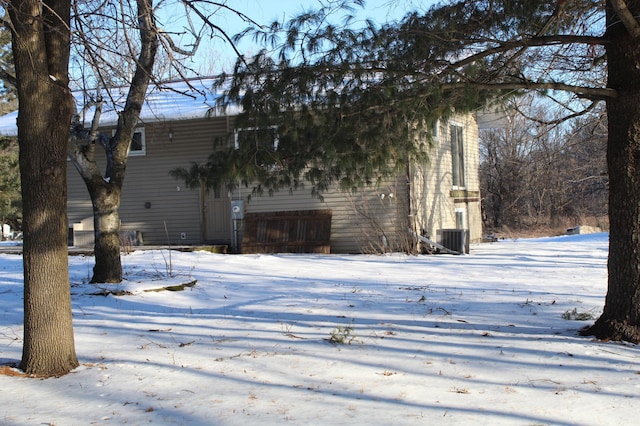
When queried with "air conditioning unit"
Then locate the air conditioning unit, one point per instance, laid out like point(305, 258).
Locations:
point(455, 240)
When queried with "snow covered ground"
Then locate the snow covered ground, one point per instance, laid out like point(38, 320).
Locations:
point(318, 339)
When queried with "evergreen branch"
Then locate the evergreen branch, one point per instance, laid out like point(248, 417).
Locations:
point(594, 93)
point(7, 77)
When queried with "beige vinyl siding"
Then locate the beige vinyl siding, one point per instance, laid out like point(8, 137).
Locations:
point(432, 201)
point(430, 186)
point(359, 220)
point(147, 181)
point(472, 170)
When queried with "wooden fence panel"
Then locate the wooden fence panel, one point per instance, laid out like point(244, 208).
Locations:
point(298, 231)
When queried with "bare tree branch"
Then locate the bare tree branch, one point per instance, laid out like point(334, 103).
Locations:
point(594, 93)
point(128, 118)
point(506, 46)
point(193, 5)
point(8, 77)
point(166, 38)
point(627, 18)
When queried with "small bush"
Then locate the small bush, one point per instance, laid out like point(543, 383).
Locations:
point(342, 334)
point(574, 315)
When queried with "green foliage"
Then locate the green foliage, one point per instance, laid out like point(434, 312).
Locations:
point(10, 197)
point(8, 98)
point(214, 174)
point(342, 335)
point(349, 102)
point(574, 315)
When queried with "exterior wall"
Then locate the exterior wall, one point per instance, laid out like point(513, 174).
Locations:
point(151, 197)
point(472, 170)
point(372, 220)
point(434, 198)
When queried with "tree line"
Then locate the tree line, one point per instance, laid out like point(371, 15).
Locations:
point(538, 175)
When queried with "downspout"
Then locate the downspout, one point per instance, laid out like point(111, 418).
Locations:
point(203, 211)
point(468, 239)
point(410, 216)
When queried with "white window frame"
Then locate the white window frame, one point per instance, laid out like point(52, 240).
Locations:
point(276, 139)
point(458, 168)
point(435, 131)
point(138, 152)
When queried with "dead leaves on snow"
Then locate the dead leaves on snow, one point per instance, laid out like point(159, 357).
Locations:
point(121, 292)
point(11, 371)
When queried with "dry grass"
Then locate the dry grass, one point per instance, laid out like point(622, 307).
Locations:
point(9, 370)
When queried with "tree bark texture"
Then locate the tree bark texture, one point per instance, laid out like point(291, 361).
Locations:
point(41, 38)
point(106, 224)
point(621, 316)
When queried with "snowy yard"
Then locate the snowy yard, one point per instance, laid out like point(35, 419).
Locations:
point(319, 339)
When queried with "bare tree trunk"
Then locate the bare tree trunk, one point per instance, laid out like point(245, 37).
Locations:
point(621, 317)
point(106, 217)
point(41, 55)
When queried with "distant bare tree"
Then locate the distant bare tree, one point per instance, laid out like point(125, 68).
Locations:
point(537, 171)
point(584, 162)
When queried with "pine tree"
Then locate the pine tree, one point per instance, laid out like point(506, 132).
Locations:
point(10, 198)
point(8, 98)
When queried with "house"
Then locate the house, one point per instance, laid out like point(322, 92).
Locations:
point(438, 202)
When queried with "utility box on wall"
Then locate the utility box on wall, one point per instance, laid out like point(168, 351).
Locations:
point(237, 209)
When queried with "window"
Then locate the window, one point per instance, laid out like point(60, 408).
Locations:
point(261, 145)
point(256, 138)
point(457, 155)
point(138, 145)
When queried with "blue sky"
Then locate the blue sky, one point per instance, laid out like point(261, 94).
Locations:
point(215, 54)
point(379, 10)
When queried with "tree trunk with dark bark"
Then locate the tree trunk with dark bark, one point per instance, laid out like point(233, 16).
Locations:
point(41, 56)
point(621, 317)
